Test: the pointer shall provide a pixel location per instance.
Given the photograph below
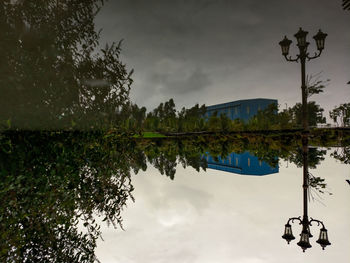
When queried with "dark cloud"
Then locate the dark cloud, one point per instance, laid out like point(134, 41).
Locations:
point(181, 81)
point(209, 49)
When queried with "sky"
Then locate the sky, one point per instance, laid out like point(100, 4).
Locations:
point(219, 217)
point(216, 51)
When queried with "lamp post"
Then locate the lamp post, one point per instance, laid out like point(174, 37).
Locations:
point(305, 222)
point(302, 56)
point(305, 235)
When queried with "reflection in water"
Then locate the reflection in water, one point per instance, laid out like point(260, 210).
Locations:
point(244, 163)
point(305, 222)
point(53, 182)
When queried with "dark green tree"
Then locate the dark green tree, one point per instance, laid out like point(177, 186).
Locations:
point(315, 114)
point(265, 119)
point(192, 119)
point(214, 123)
point(52, 181)
point(51, 74)
point(315, 156)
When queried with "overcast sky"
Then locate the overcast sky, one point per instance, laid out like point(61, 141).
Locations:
point(215, 51)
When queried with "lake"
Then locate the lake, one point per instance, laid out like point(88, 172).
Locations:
point(184, 200)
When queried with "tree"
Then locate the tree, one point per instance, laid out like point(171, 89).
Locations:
point(225, 123)
point(285, 119)
point(214, 123)
point(51, 182)
point(315, 84)
point(164, 118)
point(51, 74)
point(341, 113)
point(342, 154)
point(193, 118)
point(315, 114)
point(315, 156)
point(265, 119)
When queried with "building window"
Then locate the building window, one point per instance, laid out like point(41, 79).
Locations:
point(248, 109)
point(248, 162)
point(259, 163)
point(236, 161)
point(236, 110)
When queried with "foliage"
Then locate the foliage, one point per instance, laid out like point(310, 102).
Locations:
point(315, 156)
point(341, 114)
point(214, 123)
point(192, 119)
point(317, 184)
point(346, 4)
point(165, 118)
point(342, 154)
point(315, 85)
point(315, 114)
point(131, 118)
point(51, 75)
point(265, 119)
point(53, 181)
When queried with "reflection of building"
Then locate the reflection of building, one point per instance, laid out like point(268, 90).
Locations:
point(243, 163)
point(240, 109)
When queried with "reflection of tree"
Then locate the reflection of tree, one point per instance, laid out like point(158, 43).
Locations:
point(52, 181)
point(315, 156)
point(165, 155)
point(342, 154)
point(318, 184)
point(51, 75)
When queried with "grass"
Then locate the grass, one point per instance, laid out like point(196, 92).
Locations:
point(151, 135)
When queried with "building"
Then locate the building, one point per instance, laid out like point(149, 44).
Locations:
point(243, 163)
point(240, 109)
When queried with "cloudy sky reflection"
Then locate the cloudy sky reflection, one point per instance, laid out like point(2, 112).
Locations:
point(216, 216)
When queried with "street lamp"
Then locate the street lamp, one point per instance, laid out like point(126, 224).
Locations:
point(305, 235)
point(302, 56)
point(323, 239)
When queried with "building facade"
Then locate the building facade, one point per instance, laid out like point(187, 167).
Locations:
point(241, 163)
point(240, 109)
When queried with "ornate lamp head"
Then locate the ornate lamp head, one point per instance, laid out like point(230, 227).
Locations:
point(285, 44)
point(320, 39)
point(323, 239)
point(301, 38)
point(288, 235)
point(304, 240)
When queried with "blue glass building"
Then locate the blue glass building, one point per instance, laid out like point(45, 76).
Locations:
point(239, 109)
point(243, 163)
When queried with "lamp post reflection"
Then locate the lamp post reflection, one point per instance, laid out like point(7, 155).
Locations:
point(305, 235)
